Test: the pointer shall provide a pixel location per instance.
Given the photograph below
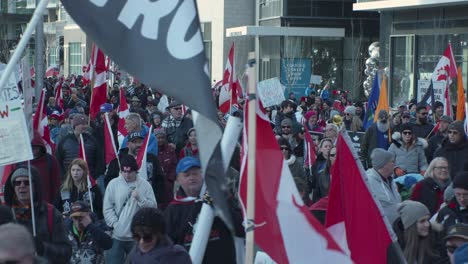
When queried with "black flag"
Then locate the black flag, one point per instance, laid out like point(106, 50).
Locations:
point(160, 43)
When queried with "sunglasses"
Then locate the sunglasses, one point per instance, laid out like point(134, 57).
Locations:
point(146, 237)
point(177, 108)
point(406, 117)
point(332, 155)
point(347, 114)
point(453, 132)
point(451, 248)
point(284, 148)
point(286, 126)
point(407, 133)
point(423, 113)
point(18, 183)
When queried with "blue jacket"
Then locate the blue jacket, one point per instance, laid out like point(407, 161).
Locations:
point(152, 144)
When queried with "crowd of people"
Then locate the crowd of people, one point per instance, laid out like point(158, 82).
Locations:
point(414, 158)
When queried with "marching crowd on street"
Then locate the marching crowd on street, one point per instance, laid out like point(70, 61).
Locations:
point(415, 159)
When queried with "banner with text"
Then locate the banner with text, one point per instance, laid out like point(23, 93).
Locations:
point(10, 91)
point(14, 137)
point(295, 75)
point(439, 89)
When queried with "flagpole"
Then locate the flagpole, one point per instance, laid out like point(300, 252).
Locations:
point(31, 196)
point(87, 176)
point(250, 225)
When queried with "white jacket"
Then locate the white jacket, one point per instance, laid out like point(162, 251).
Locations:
point(119, 207)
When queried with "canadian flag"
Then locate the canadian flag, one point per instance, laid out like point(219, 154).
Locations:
point(284, 228)
point(354, 218)
point(52, 71)
point(230, 89)
point(141, 156)
point(82, 155)
point(99, 92)
point(123, 113)
point(109, 143)
point(58, 93)
point(40, 123)
point(86, 72)
point(309, 147)
point(446, 70)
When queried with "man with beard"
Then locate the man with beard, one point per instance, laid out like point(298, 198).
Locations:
point(454, 148)
point(176, 126)
point(375, 137)
point(422, 128)
point(287, 111)
point(154, 172)
point(436, 141)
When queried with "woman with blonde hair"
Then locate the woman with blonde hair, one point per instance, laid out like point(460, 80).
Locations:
point(430, 191)
point(75, 187)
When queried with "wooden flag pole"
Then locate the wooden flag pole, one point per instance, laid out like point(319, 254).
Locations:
point(252, 144)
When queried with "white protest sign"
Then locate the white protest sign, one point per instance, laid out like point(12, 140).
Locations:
point(315, 79)
point(438, 86)
point(14, 138)
point(10, 91)
point(271, 92)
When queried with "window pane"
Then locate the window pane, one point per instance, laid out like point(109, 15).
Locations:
point(75, 58)
point(402, 69)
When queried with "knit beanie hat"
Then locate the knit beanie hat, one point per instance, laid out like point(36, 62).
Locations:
point(128, 163)
point(286, 122)
point(449, 193)
point(461, 180)
point(78, 119)
point(309, 114)
point(406, 127)
point(411, 211)
point(458, 126)
point(380, 157)
point(19, 172)
point(350, 110)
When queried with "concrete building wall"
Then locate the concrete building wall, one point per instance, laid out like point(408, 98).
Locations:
point(72, 33)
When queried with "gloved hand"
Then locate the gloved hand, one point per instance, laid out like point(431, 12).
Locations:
point(399, 171)
point(39, 246)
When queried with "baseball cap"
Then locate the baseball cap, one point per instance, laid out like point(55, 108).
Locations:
point(186, 163)
point(79, 208)
point(135, 135)
point(457, 230)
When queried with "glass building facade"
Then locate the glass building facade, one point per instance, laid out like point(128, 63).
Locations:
point(339, 61)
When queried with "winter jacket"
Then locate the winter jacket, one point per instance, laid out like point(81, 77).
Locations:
point(187, 151)
point(165, 252)
point(168, 160)
point(422, 130)
point(412, 160)
point(120, 207)
point(429, 193)
point(434, 143)
point(176, 130)
point(64, 200)
point(280, 116)
point(50, 232)
point(88, 248)
point(369, 143)
point(296, 166)
point(452, 214)
point(68, 150)
point(48, 168)
point(152, 144)
point(153, 169)
point(455, 154)
point(181, 218)
point(386, 193)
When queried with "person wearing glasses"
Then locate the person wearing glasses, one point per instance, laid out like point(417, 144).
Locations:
point(409, 151)
point(454, 148)
point(51, 240)
point(457, 235)
point(153, 245)
point(456, 211)
point(176, 126)
point(296, 164)
point(430, 191)
point(422, 128)
point(351, 120)
point(87, 235)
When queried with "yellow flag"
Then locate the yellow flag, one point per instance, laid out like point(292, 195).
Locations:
point(460, 97)
point(383, 99)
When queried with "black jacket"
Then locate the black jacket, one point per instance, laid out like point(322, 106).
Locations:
point(455, 154)
point(68, 149)
point(181, 218)
point(64, 200)
point(452, 214)
point(51, 233)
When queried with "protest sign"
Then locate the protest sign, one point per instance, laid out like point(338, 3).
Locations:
point(315, 79)
point(271, 92)
point(356, 139)
point(439, 89)
point(10, 91)
point(14, 137)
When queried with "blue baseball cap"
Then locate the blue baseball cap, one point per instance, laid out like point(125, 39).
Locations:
point(105, 108)
point(186, 163)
